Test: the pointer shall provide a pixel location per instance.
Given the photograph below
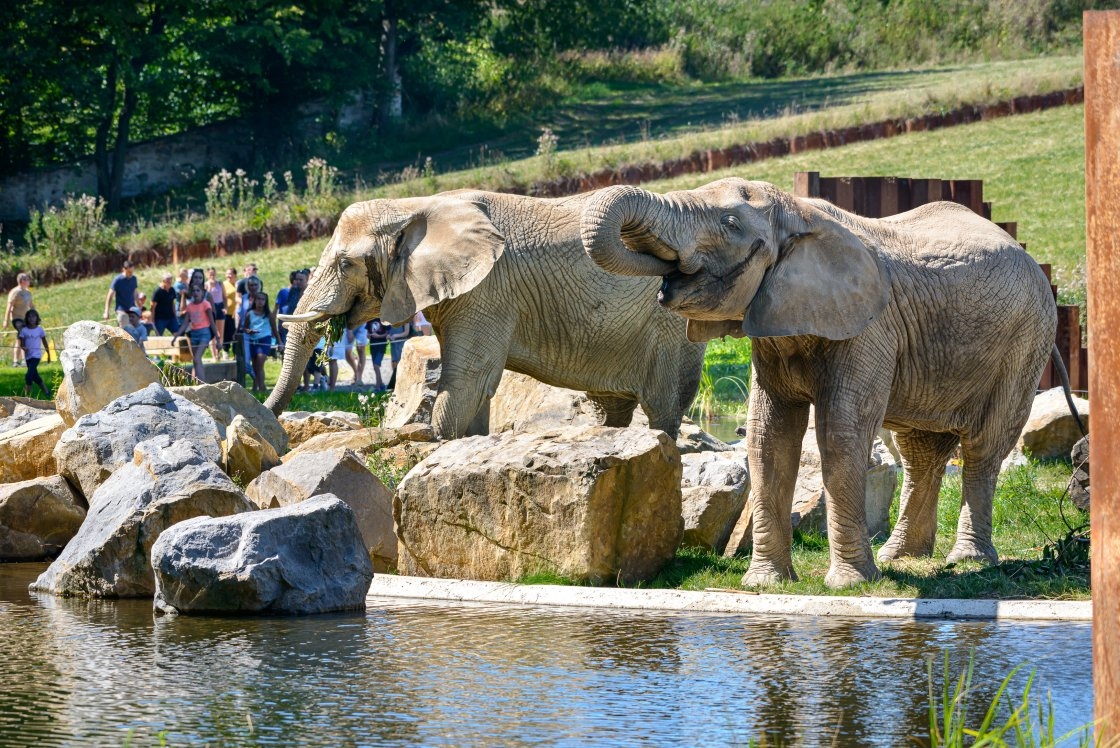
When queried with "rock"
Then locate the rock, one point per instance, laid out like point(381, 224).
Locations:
point(99, 365)
point(296, 560)
point(97, 444)
point(740, 539)
point(37, 518)
point(391, 464)
point(523, 404)
point(693, 440)
point(27, 452)
point(245, 453)
point(9, 406)
point(20, 413)
point(1051, 430)
point(588, 503)
point(300, 425)
point(1079, 482)
point(417, 379)
point(810, 510)
point(364, 441)
point(167, 482)
point(343, 473)
point(225, 400)
point(714, 488)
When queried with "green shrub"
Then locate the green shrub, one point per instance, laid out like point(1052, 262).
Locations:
point(77, 229)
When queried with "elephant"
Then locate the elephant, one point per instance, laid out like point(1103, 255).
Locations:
point(934, 323)
point(505, 283)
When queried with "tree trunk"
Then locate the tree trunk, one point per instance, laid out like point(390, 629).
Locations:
point(390, 109)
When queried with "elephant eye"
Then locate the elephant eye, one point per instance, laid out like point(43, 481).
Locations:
point(731, 222)
point(399, 242)
point(344, 264)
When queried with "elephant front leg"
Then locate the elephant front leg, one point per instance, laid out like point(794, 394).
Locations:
point(469, 376)
point(774, 434)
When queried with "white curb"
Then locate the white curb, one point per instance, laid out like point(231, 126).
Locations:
point(461, 590)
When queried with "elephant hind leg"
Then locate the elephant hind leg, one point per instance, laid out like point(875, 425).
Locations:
point(617, 411)
point(924, 455)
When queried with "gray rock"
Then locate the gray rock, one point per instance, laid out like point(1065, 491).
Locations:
point(22, 414)
point(714, 488)
point(166, 483)
point(343, 473)
point(295, 560)
point(1051, 430)
point(1079, 481)
point(37, 518)
point(98, 444)
point(588, 503)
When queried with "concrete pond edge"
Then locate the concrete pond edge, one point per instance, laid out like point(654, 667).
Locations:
point(724, 601)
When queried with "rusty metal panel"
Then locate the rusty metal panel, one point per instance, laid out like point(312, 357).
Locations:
point(807, 183)
point(1102, 218)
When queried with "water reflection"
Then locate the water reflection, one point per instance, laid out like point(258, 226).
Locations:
point(407, 673)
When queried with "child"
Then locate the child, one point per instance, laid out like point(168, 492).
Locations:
point(32, 339)
point(200, 320)
point(260, 325)
point(135, 327)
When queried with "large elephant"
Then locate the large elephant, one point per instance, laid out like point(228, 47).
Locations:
point(934, 323)
point(505, 283)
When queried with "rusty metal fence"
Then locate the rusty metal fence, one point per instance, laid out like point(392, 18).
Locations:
point(878, 197)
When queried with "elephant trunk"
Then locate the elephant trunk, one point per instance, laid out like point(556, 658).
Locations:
point(622, 229)
point(298, 348)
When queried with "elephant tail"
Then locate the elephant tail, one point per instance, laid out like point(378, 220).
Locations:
point(1063, 377)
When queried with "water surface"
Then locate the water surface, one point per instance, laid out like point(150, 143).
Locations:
point(79, 672)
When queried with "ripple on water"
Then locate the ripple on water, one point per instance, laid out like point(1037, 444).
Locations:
point(82, 672)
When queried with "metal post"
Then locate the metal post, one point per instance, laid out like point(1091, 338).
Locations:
point(1102, 214)
point(239, 357)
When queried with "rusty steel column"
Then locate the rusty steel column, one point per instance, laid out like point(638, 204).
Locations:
point(1102, 213)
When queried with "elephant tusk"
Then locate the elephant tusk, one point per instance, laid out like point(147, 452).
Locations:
point(308, 317)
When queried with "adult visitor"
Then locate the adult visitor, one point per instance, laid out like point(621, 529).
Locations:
point(165, 307)
point(122, 294)
point(19, 304)
point(216, 295)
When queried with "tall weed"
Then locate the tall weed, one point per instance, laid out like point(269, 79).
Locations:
point(78, 228)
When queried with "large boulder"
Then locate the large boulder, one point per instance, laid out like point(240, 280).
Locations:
point(414, 393)
point(27, 451)
point(99, 365)
point(810, 509)
point(296, 560)
point(714, 488)
point(167, 482)
point(364, 441)
point(245, 453)
point(225, 400)
point(37, 518)
point(522, 403)
point(301, 425)
point(1051, 430)
point(343, 473)
point(589, 503)
point(97, 444)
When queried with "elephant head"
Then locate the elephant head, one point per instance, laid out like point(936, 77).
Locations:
point(741, 257)
point(388, 259)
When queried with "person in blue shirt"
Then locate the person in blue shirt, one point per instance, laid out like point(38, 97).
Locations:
point(123, 290)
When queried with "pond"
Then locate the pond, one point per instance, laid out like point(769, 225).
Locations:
point(79, 672)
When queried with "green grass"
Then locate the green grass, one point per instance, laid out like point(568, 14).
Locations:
point(1027, 517)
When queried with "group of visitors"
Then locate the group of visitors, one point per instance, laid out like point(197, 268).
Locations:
point(31, 339)
point(378, 337)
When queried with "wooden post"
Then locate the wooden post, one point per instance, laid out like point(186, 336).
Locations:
point(1102, 217)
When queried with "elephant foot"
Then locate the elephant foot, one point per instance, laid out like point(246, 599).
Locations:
point(898, 547)
point(973, 550)
point(842, 575)
point(765, 574)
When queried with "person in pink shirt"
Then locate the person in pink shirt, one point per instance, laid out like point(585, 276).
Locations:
point(200, 320)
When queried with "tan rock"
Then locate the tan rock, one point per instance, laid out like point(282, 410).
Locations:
point(522, 403)
point(588, 503)
point(714, 488)
point(1051, 430)
point(38, 518)
point(28, 451)
point(245, 453)
point(364, 441)
point(99, 364)
point(343, 473)
point(225, 400)
point(301, 425)
point(417, 380)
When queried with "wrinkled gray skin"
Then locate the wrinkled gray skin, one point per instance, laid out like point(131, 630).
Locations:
point(934, 323)
point(505, 283)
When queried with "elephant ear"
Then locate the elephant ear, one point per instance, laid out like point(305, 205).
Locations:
point(826, 283)
point(445, 248)
point(702, 330)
